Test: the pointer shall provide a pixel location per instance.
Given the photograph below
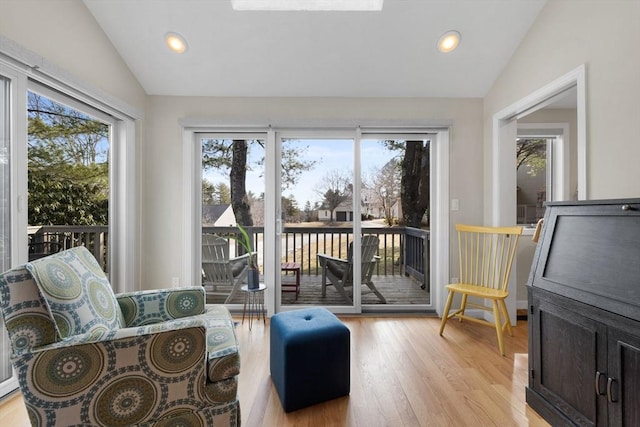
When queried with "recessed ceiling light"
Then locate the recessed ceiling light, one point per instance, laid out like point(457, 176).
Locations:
point(176, 42)
point(310, 5)
point(448, 41)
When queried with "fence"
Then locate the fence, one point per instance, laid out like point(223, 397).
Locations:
point(402, 250)
point(47, 239)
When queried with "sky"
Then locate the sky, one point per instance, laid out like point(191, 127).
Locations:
point(329, 155)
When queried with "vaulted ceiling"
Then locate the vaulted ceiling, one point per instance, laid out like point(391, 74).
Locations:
point(391, 53)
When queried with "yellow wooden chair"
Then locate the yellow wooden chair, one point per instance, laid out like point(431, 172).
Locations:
point(486, 255)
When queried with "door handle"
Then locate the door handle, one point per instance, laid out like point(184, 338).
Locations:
point(610, 398)
point(598, 377)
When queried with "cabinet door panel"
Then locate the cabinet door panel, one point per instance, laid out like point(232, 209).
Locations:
point(572, 348)
point(624, 369)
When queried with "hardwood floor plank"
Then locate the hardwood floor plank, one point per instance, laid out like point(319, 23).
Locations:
point(402, 374)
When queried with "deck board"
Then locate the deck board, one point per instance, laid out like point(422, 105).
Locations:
point(398, 290)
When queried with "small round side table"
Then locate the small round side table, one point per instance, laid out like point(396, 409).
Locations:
point(255, 299)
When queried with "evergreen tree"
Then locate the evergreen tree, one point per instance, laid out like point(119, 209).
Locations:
point(68, 178)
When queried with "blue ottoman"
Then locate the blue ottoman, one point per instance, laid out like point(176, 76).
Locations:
point(309, 357)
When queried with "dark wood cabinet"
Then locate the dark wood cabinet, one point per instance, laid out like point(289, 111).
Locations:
point(584, 315)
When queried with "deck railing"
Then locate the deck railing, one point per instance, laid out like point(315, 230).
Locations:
point(402, 250)
point(47, 239)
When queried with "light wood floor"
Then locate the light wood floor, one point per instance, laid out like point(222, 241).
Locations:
point(402, 374)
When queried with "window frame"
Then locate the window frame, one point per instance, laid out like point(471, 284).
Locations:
point(32, 71)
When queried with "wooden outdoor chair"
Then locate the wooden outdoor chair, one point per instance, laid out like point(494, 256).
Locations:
point(486, 255)
point(339, 272)
point(220, 274)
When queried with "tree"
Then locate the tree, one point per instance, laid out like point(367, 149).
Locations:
point(308, 213)
point(68, 179)
point(57, 127)
point(237, 182)
point(59, 200)
point(531, 151)
point(215, 194)
point(385, 186)
point(415, 179)
point(414, 188)
point(223, 154)
point(290, 209)
point(335, 187)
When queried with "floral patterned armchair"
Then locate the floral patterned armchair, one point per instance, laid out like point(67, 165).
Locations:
point(84, 356)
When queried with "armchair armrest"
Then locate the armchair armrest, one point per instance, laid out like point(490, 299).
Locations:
point(242, 258)
point(323, 258)
point(154, 306)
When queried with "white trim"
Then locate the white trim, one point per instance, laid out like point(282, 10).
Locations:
point(356, 222)
point(191, 200)
point(19, 183)
point(581, 110)
point(17, 124)
point(577, 78)
point(123, 209)
point(504, 132)
point(272, 222)
point(440, 234)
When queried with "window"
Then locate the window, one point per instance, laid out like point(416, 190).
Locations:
point(15, 85)
point(68, 177)
point(534, 163)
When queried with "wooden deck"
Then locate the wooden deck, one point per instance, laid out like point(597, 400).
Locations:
point(398, 290)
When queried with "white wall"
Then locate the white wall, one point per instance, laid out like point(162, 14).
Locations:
point(162, 151)
point(65, 33)
point(605, 36)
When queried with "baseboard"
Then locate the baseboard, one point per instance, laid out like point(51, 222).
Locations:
point(522, 310)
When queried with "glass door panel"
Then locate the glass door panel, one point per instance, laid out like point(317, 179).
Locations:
point(5, 216)
point(7, 382)
point(233, 193)
point(68, 151)
point(317, 204)
point(393, 168)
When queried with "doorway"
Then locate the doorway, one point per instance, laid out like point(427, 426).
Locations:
point(505, 132)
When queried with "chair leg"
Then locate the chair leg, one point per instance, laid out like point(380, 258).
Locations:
point(342, 291)
point(324, 282)
point(498, 323)
point(463, 306)
point(377, 292)
point(445, 313)
point(507, 322)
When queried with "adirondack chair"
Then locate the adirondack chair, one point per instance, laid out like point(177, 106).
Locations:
point(220, 274)
point(338, 272)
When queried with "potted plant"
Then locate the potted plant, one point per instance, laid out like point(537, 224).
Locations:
point(253, 277)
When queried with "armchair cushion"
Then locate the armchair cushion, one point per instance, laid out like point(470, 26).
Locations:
point(26, 316)
point(154, 306)
point(76, 292)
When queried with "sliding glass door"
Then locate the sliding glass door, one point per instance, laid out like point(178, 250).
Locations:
point(356, 220)
point(338, 218)
point(319, 210)
point(396, 200)
point(8, 382)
